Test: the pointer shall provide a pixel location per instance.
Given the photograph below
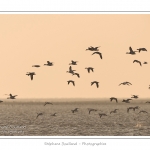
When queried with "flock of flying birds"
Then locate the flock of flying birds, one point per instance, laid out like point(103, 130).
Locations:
point(91, 69)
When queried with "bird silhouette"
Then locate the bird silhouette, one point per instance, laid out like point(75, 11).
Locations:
point(97, 83)
point(114, 111)
point(143, 111)
point(147, 102)
point(92, 48)
point(31, 74)
point(54, 114)
point(71, 81)
point(145, 62)
point(102, 114)
point(73, 62)
point(70, 70)
point(12, 96)
point(127, 100)
point(1, 101)
point(137, 61)
point(76, 75)
point(47, 103)
point(136, 107)
point(75, 110)
point(100, 54)
point(37, 66)
point(135, 96)
point(39, 114)
point(133, 108)
point(90, 69)
point(142, 49)
point(131, 51)
point(125, 83)
point(91, 109)
point(113, 98)
point(49, 63)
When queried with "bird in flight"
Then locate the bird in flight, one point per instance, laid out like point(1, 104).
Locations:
point(97, 83)
point(145, 62)
point(142, 49)
point(1, 101)
point(31, 74)
point(143, 111)
point(135, 96)
point(91, 48)
point(12, 96)
point(147, 102)
point(37, 66)
point(127, 100)
point(91, 109)
point(76, 75)
point(71, 81)
point(49, 63)
point(102, 114)
point(39, 114)
point(54, 114)
point(70, 70)
point(125, 83)
point(73, 62)
point(131, 51)
point(75, 110)
point(113, 98)
point(90, 69)
point(114, 111)
point(137, 61)
point(100, 54)
point(130, 108)
point(48, 103)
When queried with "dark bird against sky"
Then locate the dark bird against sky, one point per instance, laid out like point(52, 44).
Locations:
point(90, 69)
point(95, 82)
point(98, 53)
point(137, 61)
point(31, 74)
point(71, 81)
point(49, 63)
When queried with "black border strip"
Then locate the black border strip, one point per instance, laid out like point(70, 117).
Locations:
point(77, 138)
point(75, 11)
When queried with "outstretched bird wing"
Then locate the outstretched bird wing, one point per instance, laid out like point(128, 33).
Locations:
point(31, 76)
point(92, 83)
point(97, 84)
point(73, 83)
point(100, 54)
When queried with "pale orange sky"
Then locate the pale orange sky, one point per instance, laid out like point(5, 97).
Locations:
point(27, 40)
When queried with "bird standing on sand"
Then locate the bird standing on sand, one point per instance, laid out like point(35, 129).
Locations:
point(97, 83)
point(49, 63)
point(100, 54)
point(142, 49)
point(73, 62)
point(131, 51)
point(12, 96)
point(90, 69)
point(113, 98)
point(71, 81)
point(31, 74)
point(47, 103)
point(137, 62)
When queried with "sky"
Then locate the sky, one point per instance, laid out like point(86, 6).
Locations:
point(28, 40)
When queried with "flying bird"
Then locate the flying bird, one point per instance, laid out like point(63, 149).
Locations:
point(73, 62)
point(71, 81)
point(37, 66)
point(113, 98)
point(137, 61)
point(75, 110)
point(70, 70)
point(143, 111)
point(49, 63)
point(133, 108)
point(48, 103)
point(93, 48)
point(114, 111)
point(1, 101)
point(31, 74)
point(125, 83)
point(142, 49)
point(135, 96)
point(12, 96)
point(127, 100)
point(147, 102)
point(76, 75)
point(39, 114)
point(97, 83)
point(91, 109)
point(90, 69)
point(145, 62)
point(100, 54)
point(100, 115)
point(131, 51)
